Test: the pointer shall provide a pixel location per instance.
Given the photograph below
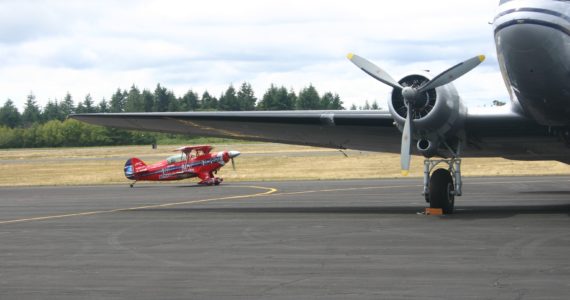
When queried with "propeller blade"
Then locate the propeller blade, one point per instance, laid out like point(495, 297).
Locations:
point(406, 143)
point(373, 70)
point(233, 164)
point(453, 73)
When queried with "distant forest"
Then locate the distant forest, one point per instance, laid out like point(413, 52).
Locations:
point(49, 126)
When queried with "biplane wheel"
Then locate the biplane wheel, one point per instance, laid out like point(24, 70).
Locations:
point(132, 185)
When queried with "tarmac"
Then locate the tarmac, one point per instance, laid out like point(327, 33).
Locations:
point(349, 239)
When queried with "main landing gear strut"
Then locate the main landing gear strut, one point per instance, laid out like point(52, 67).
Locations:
point(211, 181)
point(441, 187)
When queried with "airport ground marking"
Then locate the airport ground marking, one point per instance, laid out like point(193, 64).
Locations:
point(522, 181)
point(404, 186)
point(344, 189)
point(268, 191)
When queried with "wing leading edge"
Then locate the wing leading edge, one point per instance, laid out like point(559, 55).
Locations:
point(360, 130)
point(489, 132)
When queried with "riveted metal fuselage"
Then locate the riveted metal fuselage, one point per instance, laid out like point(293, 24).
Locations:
point(533, 45)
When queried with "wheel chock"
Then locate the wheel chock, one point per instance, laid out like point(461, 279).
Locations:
point(433, 211)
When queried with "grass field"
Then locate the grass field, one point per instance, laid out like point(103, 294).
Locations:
point(259, 161)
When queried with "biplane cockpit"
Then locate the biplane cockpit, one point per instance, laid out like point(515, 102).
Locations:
point(176, 158)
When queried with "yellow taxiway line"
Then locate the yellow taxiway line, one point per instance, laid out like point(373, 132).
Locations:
point(268, 191)
point(345, 189)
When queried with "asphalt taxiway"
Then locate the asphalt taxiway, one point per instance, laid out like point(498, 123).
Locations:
point(352, 239)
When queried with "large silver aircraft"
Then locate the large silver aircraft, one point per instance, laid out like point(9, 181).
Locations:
point(426, 114)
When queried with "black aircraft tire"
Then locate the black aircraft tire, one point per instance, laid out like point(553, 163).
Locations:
point(441, 191)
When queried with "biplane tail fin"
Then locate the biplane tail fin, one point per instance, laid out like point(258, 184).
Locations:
point(134, 166)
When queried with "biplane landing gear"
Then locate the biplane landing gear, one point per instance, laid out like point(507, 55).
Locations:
point(132, 184)
point(211, 181)
point(441, 187)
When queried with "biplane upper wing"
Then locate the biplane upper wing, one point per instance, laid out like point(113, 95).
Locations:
point(187, 149)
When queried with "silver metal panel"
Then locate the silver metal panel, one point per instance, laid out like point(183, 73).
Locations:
point(533, 46)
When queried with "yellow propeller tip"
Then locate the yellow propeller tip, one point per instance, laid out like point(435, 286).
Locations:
point(481, 57)
point(405, 172)
point(349, 56)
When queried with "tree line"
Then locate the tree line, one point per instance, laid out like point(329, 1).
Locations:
point(162, 99)
point(49, 126)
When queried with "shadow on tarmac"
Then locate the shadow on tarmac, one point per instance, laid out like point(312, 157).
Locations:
point(148, 186)
point(461, 212)
point(546, 192)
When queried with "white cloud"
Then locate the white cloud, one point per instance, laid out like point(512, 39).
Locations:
point(52, 47)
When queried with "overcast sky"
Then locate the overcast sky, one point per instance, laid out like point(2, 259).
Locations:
point(50, 48)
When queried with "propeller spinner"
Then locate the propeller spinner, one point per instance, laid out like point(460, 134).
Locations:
point(411, 94)
point(233, 154)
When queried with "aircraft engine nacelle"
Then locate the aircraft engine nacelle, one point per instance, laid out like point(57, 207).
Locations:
point(438, 115)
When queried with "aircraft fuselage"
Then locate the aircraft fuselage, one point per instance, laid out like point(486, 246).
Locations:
point(533, 46)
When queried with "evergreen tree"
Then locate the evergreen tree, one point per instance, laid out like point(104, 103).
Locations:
point(375, 105)
point(189, 101)
point(326, 101)
point(366, 105)
point(208, 102)
point(148, 100)
point(270, 99)
point(246, 97)
point(337, 103)
point(88, 104)
point(291, 102)
point(309, 98)
point(103, 106)
point(173, 102)
point(31, 112)
point(52, 111)
point(134, 101)
point(498, 103)
point(228, 100)
point(67, 107)
point(161, 99)
point(353, 107)
point(9, 115)
point(277, 99)
point(80, 109)
point(117, 104)
point(330, 101)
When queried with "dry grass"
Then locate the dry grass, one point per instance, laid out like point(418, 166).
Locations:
point(104, 165)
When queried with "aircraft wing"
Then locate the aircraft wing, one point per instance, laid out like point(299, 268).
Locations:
point(361, 130)
point(489, 132)
point(187, 149)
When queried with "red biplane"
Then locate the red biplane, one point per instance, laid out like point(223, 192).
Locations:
point(193, 161)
